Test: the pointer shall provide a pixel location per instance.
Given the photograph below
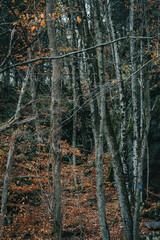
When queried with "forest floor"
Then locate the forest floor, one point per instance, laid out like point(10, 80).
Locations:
point(80, 216)
point(29, 200)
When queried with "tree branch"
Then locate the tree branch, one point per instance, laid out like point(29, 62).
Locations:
point(72, 53)
point(13, 122)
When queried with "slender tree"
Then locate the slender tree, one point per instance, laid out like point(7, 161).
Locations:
point(123, 141)
point(34, 104)
point(55, 136)
point(74, 65)
point(3, 216)
point(99, 143)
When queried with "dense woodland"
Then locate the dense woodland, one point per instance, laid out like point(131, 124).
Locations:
point(79, 119)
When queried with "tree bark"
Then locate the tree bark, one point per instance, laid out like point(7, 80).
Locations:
point(123, 142)
point(119, 177)
point(135, 126)
point(100, 141)
point(141, 124)
point(34, 105)
point(10, 156)
point(55, 136)
point(134, 93)
point(74, 79)
point(3, 217)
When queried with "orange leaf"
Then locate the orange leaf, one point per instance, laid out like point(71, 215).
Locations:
point(43, 24)
point(79, 19)
point(32, 28)
point(53, 16)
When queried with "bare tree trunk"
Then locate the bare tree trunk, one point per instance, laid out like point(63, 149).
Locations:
point(3, 218)
point(98, 132)
point(119, 178)
point(141, 95)
point(148, 171)
point(140, 128)
point(10, 157)
point(134, 94)
point(136, 164)
point(74, 79)
point(34, 105)
point(55, 136)
point(123, 143)
point(139, 183)
point(141, 90)
point(142, 149)
point(100, 135)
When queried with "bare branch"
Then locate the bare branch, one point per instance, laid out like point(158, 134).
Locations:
point(72, 53)
point(24, 176)
point(13, 122)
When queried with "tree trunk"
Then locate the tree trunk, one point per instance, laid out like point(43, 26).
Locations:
point(134, 93)
point(55, 137)
point(10, 156)
point(123, 143)
point(74, 79)
point(135, 125)
point(34, 105)
point(100, 142)
point(3, 218)
point(119, 178)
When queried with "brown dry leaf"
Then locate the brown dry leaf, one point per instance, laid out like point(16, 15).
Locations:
point(33, 28)
point(43, 24)
point(53, 16)
point(79, 19)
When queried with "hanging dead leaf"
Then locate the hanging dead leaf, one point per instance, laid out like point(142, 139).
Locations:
point(53, 16)
point(43, 24)
point(79, 19)
point(33, 28)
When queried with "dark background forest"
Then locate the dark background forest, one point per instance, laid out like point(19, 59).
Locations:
point(80, 119)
